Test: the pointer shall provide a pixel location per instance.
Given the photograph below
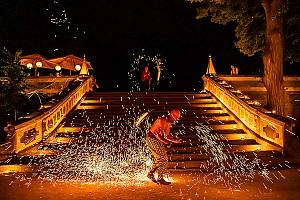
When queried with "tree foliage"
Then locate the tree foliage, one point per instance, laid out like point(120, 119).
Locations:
point(249, 18)
point(12, 83)
point(292, 31)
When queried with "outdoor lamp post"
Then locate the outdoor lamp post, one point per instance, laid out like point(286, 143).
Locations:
point(38, 65)
point(57, 68)
point(29, 65)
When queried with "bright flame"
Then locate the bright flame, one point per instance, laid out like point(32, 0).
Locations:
point(158, 72)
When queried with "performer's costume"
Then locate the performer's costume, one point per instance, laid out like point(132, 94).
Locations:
point(157, 137)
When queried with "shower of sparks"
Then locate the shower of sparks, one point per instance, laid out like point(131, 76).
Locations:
point(117, 159)
point(222, 166)
point(112, 152)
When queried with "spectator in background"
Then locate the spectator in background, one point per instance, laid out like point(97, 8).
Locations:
point(234, 70)
point(9, 131)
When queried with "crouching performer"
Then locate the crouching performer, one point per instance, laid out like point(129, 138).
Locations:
point(157, 138)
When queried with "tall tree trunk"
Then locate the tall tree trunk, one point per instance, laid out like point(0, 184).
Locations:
point(273, 56)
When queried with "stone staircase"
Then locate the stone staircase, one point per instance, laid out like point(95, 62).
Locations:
point(102, 116)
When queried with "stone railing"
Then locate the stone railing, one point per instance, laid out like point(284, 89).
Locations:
point(33, 131)
point(263, 125)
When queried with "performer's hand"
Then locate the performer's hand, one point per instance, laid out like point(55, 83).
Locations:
point(169, 145)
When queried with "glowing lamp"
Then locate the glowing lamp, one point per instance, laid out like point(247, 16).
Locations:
point(255, 102)
point(29, 65)
point(39, 64)
point(57, 68)
point(258, 148)
point(78, 67)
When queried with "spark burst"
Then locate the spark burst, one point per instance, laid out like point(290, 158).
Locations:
point(157, 68)
point(232, 169)
point(102, 154)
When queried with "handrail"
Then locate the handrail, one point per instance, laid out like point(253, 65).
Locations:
point(33, 131)
point(265, 126)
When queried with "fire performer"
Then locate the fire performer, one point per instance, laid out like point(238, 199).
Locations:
point(157, 137)
point(146, 79)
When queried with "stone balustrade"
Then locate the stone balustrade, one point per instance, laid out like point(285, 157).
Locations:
point(33, 131)
point(263, 125)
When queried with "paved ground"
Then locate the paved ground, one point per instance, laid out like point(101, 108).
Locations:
point(185, 186)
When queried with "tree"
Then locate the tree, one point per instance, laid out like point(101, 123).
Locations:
point(259, 28)
point(12, 84)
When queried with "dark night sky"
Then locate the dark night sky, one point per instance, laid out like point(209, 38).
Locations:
point(109, 31)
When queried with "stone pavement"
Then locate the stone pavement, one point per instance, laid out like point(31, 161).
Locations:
point(187, 185)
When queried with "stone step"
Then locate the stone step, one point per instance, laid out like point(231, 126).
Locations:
point(148, 106)
point(124, 120)
point(185, 122)
point(190, 135)
point(176, 161)
point(271, 163)
point(196, 147)
point(186, 136)
point(152, 104)
point(78, 127)
point(99, 139)
point(233, 136)
point(183, 119)
point(200, 149)
point(180, 161)
point(163, 111)
point(148, 94)
point(248, 154)
point(149, 100)
point(84, 130)
point(142, 97)
point(194, 113)
point(52, 150)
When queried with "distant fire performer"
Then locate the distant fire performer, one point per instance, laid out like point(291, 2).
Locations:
point(146, 79)
point(157, 137)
